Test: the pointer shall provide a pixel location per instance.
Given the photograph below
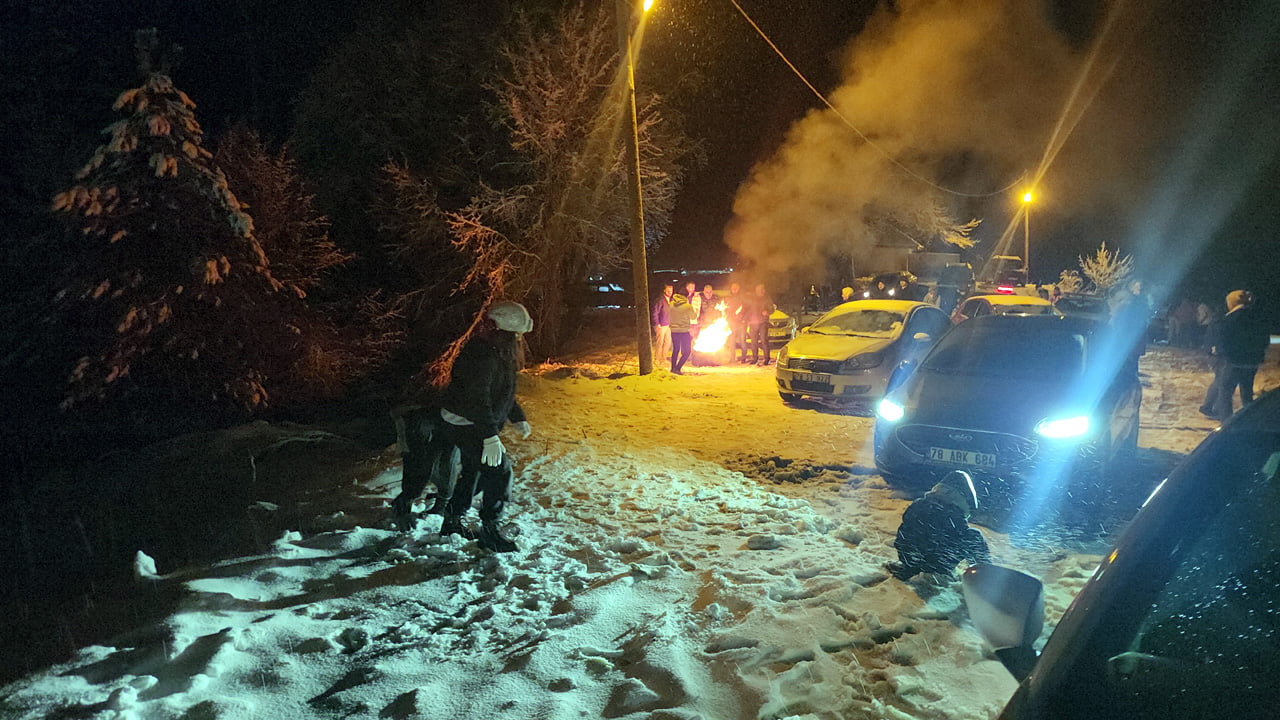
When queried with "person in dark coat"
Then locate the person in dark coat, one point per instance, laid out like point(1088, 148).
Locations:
point(427, 458)
point(935, 535)
point(1240, 347)
point(735, 309)
point(1131, 320)
point(479, 400)
point(661, 316)
point(759, 308)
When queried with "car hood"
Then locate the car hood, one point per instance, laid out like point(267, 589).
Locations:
point(834, 347)
point(989, 403)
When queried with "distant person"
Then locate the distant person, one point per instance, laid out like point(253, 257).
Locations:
point(906, 290)
point(1182, 324)
point(935, 536)
point(931, 297)
point(695, 300)
point(1056, 296)
point(1206, 320)
point(707, 310)
point(661, 316)
point(1241, 347)
point(681, 337)
point(760, 308)
point(879, 291)
point(1131, 320)
point(1043, 292)
point(479, 400)
point(735, 309)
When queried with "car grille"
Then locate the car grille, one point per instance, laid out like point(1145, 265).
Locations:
point(831, 367)
point(809, 386)
point(1012, 450)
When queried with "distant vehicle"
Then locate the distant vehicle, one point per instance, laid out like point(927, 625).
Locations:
point(1093, 307)
point(782, 328)
point(1001, 304)
point(849, 353)
point(1025, 402)
point(1180, 620)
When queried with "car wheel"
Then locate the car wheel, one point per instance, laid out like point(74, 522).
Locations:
point(904, 483)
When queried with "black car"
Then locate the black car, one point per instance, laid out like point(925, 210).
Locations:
point(1021, 401)
point(1182, 618)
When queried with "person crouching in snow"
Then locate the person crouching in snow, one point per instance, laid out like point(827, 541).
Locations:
point(935, 535)
point(480, 399)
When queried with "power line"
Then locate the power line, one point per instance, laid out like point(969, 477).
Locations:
point(897, 163)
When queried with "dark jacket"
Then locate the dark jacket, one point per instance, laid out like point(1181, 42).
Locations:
point(482, 384)
point(661, 313)
point(735, 309)
point(935, 536)
point(1243, 339)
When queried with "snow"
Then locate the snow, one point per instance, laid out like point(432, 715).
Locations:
point(689, 548)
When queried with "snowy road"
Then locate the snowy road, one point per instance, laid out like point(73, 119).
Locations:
point(690, 548)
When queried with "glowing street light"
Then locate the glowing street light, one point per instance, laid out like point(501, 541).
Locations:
point(639, 260)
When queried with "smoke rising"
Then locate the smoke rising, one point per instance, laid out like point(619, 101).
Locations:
point(965, 95)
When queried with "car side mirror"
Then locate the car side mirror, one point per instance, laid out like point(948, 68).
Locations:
point(1007, 607)
point(922, 337)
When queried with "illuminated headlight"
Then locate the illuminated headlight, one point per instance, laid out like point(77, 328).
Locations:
point(861, 362)
point(1068, 427)
point(890, 411)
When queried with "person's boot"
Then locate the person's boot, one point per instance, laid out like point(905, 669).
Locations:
point(492, 539)
point(454, 526)
point(402, 513)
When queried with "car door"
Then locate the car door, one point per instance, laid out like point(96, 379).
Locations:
point(928, 320)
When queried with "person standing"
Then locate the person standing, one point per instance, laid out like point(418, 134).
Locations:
point(1241, 348)
point(681, 339)
point(660, 314)
point(735, 308)
point(479, 400)
point(1131, 318)
point(760, 307)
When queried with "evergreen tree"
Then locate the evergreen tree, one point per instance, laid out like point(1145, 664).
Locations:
point(168, 284)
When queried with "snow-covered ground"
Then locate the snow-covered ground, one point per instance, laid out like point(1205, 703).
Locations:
point(689, 548)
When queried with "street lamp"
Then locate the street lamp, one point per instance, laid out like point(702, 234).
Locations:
point(639, 259)
point(1026, 236)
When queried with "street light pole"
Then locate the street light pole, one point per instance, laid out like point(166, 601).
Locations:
point(639, 258)
point(1026, 237)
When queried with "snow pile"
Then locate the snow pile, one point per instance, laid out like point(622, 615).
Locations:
point(654, 580)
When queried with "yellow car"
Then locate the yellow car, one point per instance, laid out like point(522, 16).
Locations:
point(849, 353)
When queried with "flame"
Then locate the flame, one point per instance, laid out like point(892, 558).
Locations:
point(713, 336)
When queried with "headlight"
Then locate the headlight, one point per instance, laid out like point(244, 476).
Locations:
point(1068, 427)
point(890, 411)
point(862, 362)
point(783, 355)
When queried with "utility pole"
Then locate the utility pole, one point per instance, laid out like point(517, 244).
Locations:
point(639, 258)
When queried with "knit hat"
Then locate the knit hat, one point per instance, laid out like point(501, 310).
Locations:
point(960, 485)
point(1239, 298)
point(511, 316)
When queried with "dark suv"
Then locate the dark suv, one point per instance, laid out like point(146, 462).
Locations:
point(1182, 618)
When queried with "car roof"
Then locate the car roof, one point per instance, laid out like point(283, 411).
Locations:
point(1070, 323)
point(1003, 299)
point(901, 306)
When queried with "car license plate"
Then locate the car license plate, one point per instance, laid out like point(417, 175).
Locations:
point(962, 457)
point(810, 377)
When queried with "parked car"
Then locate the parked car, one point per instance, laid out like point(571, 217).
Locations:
point(1094, 307)
point(849, 353)
point(1001, 304)
point(1181, 619)
point(1021, 401)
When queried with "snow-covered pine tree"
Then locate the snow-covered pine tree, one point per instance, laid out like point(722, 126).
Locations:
point(167, 283)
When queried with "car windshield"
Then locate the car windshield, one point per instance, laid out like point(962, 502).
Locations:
point(862, 322)
point(1082, 305)
point(1012, 352)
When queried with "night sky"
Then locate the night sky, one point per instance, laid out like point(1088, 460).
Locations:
point(1184, 117)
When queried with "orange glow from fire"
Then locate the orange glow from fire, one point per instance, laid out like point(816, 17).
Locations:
point(712, 337)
